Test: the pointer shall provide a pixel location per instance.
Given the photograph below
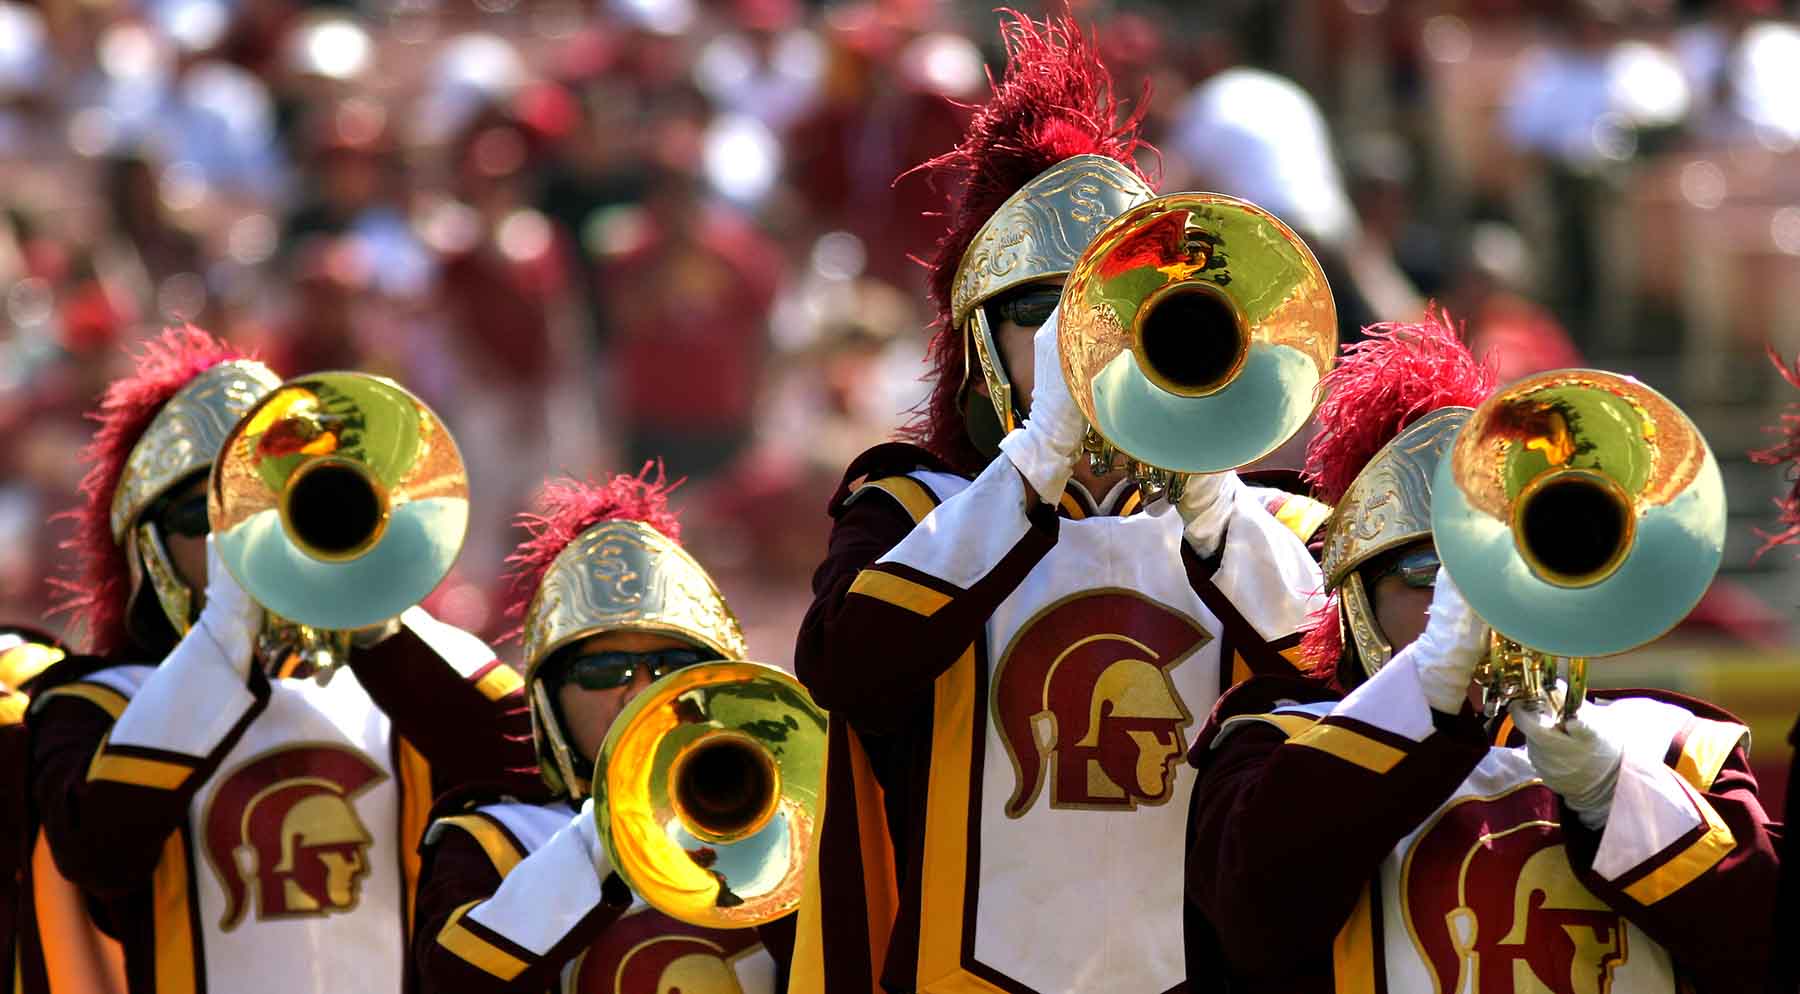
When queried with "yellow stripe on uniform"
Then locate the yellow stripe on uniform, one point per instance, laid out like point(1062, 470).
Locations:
point(137, 771)
point(1687, 865)
point(173, 929)
point(902, 593)
point(911, 494)
point(1708, 746)
point(1353, 951)
point(1302, 515)
point(475, 950)
point(1350, 746)
point(1293, 725)
point(106, 698)
point(415, 818)
point(12, 708)
point(499, 682)
point(500, 850)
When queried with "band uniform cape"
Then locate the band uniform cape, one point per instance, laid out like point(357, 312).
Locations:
point(1368, 843)
point(229, 829)
point(513, 898)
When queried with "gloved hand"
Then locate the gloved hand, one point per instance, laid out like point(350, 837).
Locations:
point(1046, 448)
point(1447, 651)
point(1205, 506)
point(1578, 758)
point(229, 619)
point(589, 834)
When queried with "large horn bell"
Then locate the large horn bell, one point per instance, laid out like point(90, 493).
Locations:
point(707, 793)
point(1194, 331)
point(1580, 513)
point(339, 501)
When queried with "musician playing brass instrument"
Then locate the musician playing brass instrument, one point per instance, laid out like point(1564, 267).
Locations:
point(246, 824)
point(1377, 832)
point(623, 633)
point(1015, 641)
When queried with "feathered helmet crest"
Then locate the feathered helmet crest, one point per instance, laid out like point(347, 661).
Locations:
point(1054, 101)
point(1785, 453)
point(96, 590)
point(1382, 386)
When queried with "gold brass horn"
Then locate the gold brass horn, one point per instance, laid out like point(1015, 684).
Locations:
point(707, 793)
point(337, 502)
point(1581, 514)
point(1193, 332)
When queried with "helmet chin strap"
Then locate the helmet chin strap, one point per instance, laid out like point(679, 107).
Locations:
point(150, 559)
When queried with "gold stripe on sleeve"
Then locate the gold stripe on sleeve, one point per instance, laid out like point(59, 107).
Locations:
point(914, 597)
point(1350, 746)
point(476, 951)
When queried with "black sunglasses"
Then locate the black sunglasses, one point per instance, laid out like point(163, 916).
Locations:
point(1027, 308)
point(612, 669)
point(185, 516)
point(1417, 569)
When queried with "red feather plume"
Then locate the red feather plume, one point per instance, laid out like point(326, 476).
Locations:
point(1784, 453)
point(1381, 385)
point(1054, 101)
point(566, 508)
point(97, 590)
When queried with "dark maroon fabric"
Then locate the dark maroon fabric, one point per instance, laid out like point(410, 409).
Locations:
point(1259, 810)
point(456, 871)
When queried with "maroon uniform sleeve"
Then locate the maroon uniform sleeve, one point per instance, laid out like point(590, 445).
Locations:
point(452, 955)
point(1289, 804)
point(1707, 895)
point(106, 822)
point(879, 632)
point(453, 701)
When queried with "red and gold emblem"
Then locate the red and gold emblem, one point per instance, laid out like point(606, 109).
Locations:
point(651, 953)
point(1493, 905)
point(283, 823)
point(1083, 693)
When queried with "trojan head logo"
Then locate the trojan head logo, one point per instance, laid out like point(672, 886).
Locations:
point(283, 823)
point(1083, 693)
point(651, 953)
point(1493, 905)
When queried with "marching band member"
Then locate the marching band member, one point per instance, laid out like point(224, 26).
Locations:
point(1013, 656)
point(243, 830)
point(1388, 839)
point(1784, 963)
point(521, 896)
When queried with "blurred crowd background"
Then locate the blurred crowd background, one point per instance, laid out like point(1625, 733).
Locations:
point(595, 233)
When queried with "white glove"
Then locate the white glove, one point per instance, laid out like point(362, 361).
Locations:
point(1206, 504)
point(1045, 449)
point(1447, 651)
point(1577, 758)
point(230, 619)
point(589, 833)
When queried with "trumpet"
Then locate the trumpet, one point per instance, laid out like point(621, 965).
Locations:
point(337, 502)
point(708, 793)
point(1193, 334)
point(1581, 514)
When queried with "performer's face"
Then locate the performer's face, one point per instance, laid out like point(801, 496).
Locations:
point(1402, 593)
point(186, 551)
point(587, 714)
point(1014, 340)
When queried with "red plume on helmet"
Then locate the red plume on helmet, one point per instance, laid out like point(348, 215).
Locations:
point(97, 590)
point(1399, 373)
point(1054, 101)
point(566, 508)
point(1784, 453)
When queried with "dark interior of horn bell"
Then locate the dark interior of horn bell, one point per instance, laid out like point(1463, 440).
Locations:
point(1575, 529)
point(1190, 340)
point(723, 788)
point(333, 509)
